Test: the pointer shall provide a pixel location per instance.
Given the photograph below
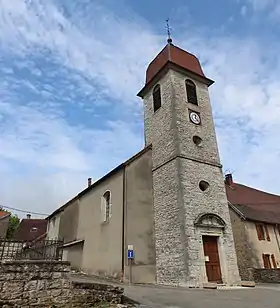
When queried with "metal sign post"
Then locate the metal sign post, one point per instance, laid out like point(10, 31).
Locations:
point(130, 257)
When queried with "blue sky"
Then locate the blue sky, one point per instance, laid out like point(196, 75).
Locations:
point(70, 71)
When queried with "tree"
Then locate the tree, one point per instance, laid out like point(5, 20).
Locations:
point(12, 225)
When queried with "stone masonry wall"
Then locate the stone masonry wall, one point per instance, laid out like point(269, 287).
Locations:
point(178, 166)
point(47, 284)
point(208, 151)
point(170, 242)
point(87, 294)
point(198, 202)
point(169, 234)
point(242, 246)
point(266, 275)
point(159, 125)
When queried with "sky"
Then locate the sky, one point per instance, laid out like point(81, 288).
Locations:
point(70, 72)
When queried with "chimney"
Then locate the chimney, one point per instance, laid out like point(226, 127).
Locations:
point(89, 182)
point(229, 179)
point(28, 216)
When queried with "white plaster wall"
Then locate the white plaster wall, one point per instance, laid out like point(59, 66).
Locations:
point(53, 227)
point(266, 247)
point(102, 250)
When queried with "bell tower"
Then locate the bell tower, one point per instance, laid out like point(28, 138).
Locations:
point(194, 241)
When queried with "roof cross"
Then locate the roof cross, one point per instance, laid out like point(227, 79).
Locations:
point(169, 40)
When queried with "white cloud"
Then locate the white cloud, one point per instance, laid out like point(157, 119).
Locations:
point(84, 48)
point(259, 5)
point(40, 136)
point(243, 10)
point(46, 155)
point(246, 103)
point(271, 8)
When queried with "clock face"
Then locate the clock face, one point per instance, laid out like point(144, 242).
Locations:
point(195, 118)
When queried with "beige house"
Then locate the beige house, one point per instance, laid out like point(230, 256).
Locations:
point(255, 219)
point(168, 201)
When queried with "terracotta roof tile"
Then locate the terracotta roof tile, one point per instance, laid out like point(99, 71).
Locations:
point(254, 204)
point(176, 55)
point(30, 229)
point(177, 58)
point(3, 214)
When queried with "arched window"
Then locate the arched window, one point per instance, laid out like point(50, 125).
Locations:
point(157, 97)
point(191, 92)
point(106, 206)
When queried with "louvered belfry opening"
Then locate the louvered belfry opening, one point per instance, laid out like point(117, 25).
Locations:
point(157, 97)
point(191, 92)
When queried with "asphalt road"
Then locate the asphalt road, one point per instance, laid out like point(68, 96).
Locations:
point(193, 298)
point(262, 296)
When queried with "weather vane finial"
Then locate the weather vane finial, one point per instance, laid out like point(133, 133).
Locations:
point(169, 40)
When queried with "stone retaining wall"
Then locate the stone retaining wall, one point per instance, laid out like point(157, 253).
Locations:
point(266, 275)
point(93, 293)
point(47, 284)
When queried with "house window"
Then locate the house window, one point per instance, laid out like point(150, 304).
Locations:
point(156, 97)
point(267, 232)
point(34, 229)
point(269, 261)
point(191, 92)
point(106, 206)
point(274, 263)
point(266, 261)
point(262, 232)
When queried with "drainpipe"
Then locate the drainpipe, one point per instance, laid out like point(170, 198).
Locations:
point(123, 222)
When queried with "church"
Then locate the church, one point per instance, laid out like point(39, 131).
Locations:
point(168, 203)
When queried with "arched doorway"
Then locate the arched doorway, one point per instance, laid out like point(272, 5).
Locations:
point(211, 227)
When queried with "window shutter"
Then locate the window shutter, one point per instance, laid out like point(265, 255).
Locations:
point(264, 261)
point(267, 233)
point(258, 231)
point(268, 261)
point(273, 261)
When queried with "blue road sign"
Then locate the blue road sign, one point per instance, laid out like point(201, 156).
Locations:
point(130, 254)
